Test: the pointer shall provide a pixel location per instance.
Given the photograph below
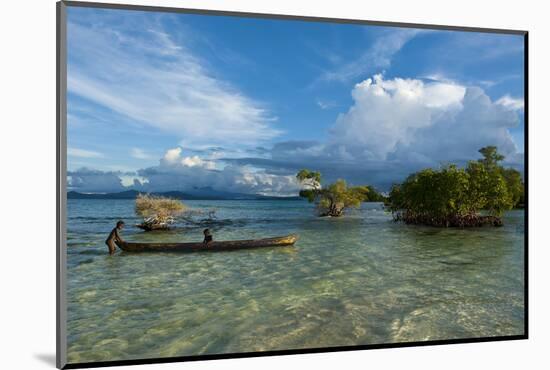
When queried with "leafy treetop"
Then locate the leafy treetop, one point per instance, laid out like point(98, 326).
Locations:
point(333, 199)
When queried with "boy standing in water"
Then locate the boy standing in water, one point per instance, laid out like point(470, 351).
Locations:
point(114, 236)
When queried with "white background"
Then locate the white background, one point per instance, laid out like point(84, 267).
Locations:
point(27, 196)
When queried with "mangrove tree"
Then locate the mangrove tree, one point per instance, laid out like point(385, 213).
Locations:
point(454, 196)
point(335, 198)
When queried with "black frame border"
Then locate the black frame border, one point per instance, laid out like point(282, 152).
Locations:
point(61, 70)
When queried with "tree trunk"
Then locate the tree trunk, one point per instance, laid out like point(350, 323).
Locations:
point(334, 210)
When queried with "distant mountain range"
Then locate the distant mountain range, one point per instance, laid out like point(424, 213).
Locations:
point(196, 194)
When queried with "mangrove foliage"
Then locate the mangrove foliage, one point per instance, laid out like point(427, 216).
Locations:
point(333, 199)
point(475, 195)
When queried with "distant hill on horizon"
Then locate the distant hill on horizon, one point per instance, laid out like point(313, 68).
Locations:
point(201, 194)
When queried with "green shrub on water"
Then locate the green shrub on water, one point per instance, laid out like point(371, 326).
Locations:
point(335, 198)
point(453, 196)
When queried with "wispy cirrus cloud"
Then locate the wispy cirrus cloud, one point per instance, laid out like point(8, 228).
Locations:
point(156, 81)
point(139, 153)
point(83, 153)
point(326, 104)
point(486, 46)
point(377, 56)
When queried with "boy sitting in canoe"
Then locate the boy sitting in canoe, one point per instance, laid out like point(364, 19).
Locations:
point(114, 236)
point(207, 237)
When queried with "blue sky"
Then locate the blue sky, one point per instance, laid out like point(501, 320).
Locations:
point(161, 101)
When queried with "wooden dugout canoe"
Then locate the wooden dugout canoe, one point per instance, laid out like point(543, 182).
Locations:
point(214, 246)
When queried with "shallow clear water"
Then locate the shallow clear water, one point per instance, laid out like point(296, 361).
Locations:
point(361, 279)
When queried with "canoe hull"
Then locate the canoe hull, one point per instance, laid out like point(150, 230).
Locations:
point(214, 246)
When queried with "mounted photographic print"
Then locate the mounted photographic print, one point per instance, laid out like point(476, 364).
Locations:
point(234, 184)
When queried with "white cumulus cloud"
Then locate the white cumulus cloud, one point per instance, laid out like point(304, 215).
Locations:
point(386, 113)
point(196, 161)
point(172, 155)
point(410, 120)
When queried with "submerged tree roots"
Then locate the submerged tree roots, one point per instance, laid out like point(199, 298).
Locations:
point(468, 220)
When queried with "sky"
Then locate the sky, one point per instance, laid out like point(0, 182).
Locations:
point(163, 101)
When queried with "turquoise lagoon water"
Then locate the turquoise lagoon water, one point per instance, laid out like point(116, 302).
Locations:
point(361, 279)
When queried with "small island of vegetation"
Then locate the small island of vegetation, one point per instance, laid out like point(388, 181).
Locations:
point(158, 212)
point(476, 195)
point(335, 198)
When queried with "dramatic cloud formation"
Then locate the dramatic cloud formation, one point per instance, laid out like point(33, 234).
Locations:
point(387, 113)
point(398, 126)
point(158, 82)
point(394, 127)
point(168, 102)
point(409, 120)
